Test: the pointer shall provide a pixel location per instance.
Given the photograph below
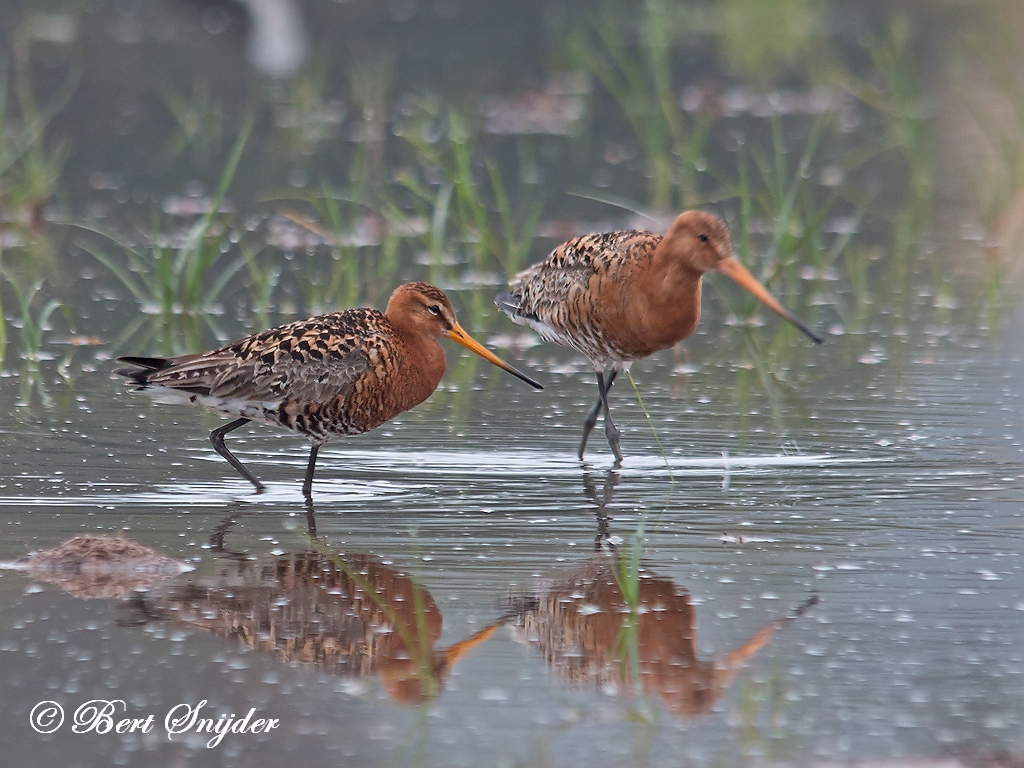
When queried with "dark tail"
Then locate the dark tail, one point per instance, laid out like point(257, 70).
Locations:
point(144, 367)
point(507, 303)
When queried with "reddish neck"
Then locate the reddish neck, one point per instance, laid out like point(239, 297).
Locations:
point(424, 362)
point(671, 288)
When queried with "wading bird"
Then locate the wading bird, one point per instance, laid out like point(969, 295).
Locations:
point(342, 373)
point(619, 296)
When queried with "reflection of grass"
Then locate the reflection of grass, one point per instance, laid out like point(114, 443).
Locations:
point(170, 279)
point(761, 712)
point(642, 712)
point(415, 638)
point(32, 324)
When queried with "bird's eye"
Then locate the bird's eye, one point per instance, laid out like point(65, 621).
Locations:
point(702, 238)
point(434, 309)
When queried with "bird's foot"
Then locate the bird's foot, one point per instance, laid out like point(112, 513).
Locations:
point(614, 440)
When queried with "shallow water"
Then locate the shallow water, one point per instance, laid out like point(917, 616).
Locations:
point(810, 555)
point(911, 549)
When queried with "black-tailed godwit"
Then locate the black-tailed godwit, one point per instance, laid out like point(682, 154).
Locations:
point(341, 373)
point(619, 296)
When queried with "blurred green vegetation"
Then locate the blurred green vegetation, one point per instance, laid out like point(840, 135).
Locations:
point(31, 159)
point(761, 41)
point(821, 146)
point(176, 276)
point(199, 122)
point(640, 79)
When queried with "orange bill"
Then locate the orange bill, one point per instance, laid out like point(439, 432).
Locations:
point(459, 336)
point(735, 271)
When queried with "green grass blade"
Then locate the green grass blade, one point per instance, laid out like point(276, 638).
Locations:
point(116, 269)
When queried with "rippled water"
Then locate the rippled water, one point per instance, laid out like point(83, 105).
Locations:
point(903, 519)
point(810, 555)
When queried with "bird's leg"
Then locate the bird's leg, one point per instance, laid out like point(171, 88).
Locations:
point(588, 425)
point(217, 438)
point(591, 419)
point(307, 485)
point(610, 430)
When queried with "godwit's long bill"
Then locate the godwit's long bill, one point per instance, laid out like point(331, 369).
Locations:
point(619, 296)
point(342, 373)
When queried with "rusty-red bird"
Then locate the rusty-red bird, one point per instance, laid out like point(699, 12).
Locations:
point(619, 296)
point(342, 373)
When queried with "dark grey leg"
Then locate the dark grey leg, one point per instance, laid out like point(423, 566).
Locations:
point(307, 486)
point(591, 419)
point(217, 438)
point(610, 430)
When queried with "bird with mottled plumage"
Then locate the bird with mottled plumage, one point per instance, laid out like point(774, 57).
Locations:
point(341, 373)
point(616, 297)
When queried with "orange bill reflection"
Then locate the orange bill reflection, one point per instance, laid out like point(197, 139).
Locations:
point(585, 630)
point(348, 615)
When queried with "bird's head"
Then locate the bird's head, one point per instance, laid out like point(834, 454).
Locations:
point(700, 241)
point(423, 310)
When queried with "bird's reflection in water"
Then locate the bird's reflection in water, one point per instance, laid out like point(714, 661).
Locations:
point(614, 626)
point(601, 502)
point(346, 614)
point(591, 636)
